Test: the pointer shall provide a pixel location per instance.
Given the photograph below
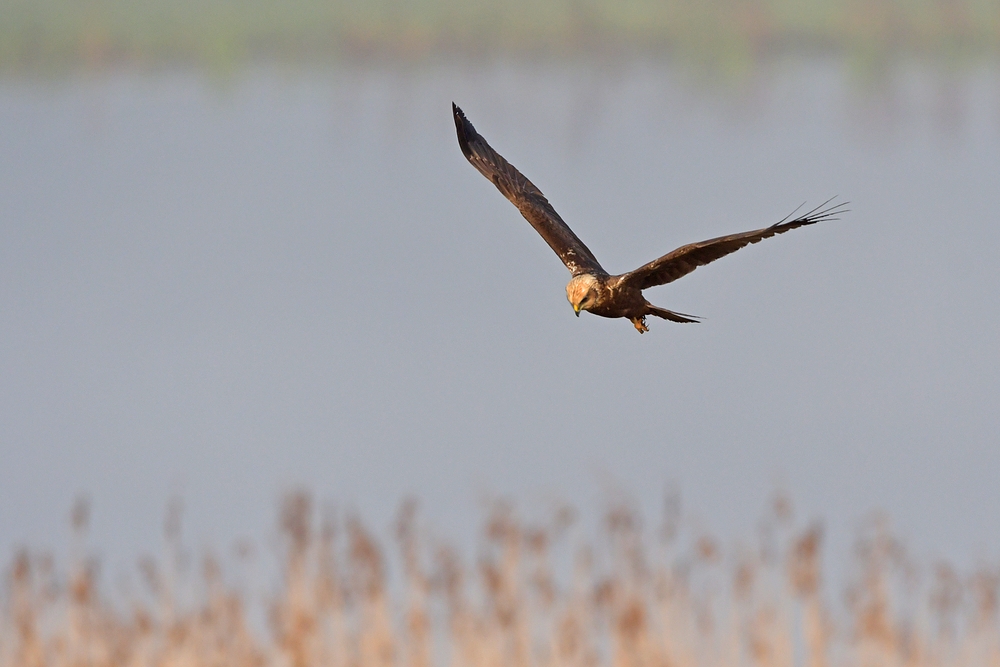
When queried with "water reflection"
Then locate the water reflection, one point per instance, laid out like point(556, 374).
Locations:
point(293, 277)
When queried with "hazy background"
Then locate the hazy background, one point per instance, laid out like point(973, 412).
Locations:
point(240, 253)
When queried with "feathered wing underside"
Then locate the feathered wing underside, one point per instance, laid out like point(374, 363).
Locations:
point(526, 197)
point(686, 259)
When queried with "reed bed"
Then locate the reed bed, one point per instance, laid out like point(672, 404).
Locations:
point(537, 595)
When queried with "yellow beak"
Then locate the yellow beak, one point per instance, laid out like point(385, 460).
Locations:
point(576, 309)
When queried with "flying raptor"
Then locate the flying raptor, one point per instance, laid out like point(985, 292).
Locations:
point(592, 288)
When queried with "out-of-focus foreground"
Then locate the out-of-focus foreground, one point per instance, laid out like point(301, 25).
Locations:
point(637, 598)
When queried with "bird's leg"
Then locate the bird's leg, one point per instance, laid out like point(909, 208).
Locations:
point(640, 324)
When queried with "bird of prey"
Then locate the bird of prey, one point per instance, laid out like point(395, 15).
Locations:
point(592, 288)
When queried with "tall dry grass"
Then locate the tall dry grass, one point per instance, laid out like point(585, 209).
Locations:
point(536, 596)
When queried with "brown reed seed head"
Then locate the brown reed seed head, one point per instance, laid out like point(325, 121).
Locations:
point(707, 549)
point(803, 562)
point(80, 516)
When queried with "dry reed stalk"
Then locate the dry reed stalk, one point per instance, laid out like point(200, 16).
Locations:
point(881, 636)
point(417, 623)
point(506, 618)
point(375, 636)
point(570, 641)
point(804, 577)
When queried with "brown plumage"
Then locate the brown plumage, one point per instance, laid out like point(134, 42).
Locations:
point(592, 288)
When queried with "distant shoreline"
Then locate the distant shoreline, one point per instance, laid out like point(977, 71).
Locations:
point(219, 34)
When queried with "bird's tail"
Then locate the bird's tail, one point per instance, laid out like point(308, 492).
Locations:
point(671, 315)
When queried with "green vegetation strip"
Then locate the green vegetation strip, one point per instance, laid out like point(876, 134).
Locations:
point(39, 34)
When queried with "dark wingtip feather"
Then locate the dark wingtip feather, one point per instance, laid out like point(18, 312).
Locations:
point(464, 129)
point(822, 213)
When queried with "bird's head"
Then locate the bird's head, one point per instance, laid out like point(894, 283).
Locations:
point(582, 292)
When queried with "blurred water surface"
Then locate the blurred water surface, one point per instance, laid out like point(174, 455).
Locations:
point(225, 288)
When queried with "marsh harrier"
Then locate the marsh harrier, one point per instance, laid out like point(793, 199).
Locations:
point(592, 288)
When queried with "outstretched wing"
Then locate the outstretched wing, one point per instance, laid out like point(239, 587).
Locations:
point(687, 258)
point(528, 199)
